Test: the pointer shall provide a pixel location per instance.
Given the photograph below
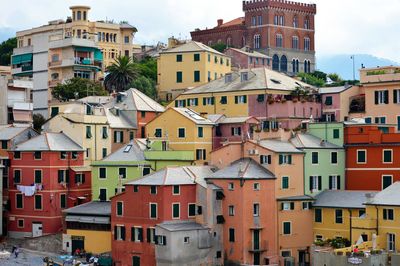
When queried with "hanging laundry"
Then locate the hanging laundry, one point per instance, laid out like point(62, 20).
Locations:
point(27, 190)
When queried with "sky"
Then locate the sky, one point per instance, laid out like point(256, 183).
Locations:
point(342, 26)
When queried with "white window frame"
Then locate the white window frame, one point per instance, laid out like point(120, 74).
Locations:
point(236, 131)
point(208, 100)
point(391, 182)
point(283, 228)
point(136, 239)
point(365, 151)
point(119, 232)
point(335, 181)
point(184, 131)
point(256, 209)
point(119, 136)
point(195, 207)
point(288, 183)
point(383, 156)
point(391, 242)
point(337, 158)
point(312, 158)
point(231, 186)
point(172, 205)
point(381, 96)
point(186, 240)
point(179, 190)
point(150, 204)
point(315, 185)
point(256, 186)
point(231, 210)
point(116, 209)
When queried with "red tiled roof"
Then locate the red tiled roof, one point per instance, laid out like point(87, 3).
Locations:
point(236, 21)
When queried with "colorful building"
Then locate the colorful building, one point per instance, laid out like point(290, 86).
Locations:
point(323, 161)
point(185, 130)
point(47, 175)
point(247, 58)
point(271, 97)
point(168, 201)
point(88, 227)
point(188, 65)
point(282, 30)
point(371, 156)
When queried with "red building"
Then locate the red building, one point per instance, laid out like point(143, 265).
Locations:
point(283, 30)
point(47, 175)
point(167, 195)
point(371, 156)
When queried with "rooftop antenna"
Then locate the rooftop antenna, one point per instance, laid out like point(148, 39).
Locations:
point(354, 68)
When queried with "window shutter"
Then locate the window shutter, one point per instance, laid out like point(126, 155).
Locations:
point(330, 182)
point(148, 233)
point(76, 178)
point(311, 183)
point(123, 232)
point(280, 159)
point(269, 159)
point(122, 136)
point(282, 206)
point(132, 234)
point(395, 96)
point(333, 119)
point(67, 176)
point(292, 205)
point(245, 98)
point(164, 240)
point(204, 101)
point(386, 97)
point(376, 97)
point(115, 232)
point(232, 131)
point(212, 100)
point(338, 182)
point(156, 240)
point(60, 176)
point(236, 99)
point(240, 131)
point(196, 101)
point(384, 214)
point(184, 103)
point(140, 234)
point(290, 159)
point(176, 103)
point(115, 136)
point(320, 183)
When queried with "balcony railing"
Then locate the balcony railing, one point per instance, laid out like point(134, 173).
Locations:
point(68, 62)
point(257, 246)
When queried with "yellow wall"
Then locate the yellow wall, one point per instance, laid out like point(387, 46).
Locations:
point(95, 241)
point(170, 121)
point(168, 67)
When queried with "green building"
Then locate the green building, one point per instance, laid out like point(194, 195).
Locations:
point(134, 160)
point(324, 160)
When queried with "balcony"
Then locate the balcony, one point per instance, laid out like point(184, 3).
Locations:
point(70, 42)
point(23, 50)
point(76, 61)
point(357, 104)
point(21, 70)
point(255, 247)
point(364, 222)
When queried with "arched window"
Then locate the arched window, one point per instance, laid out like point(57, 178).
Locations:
point(307, 44)
point(229, 41)
point(115, 37)
point(73, 15)
point(279, 40)
point(295, 65)
point(282, 20)
point(307, 66)
point(284, 63)
point(103, 36)
point(275, 62)
point(257, 41)
point(295, 42)
point(84, 15)
point(107, 37)
point(307, 23)
point(243, 41)
point(99, 36)
point(295, 21)
point(79, 15)
point(276, 20)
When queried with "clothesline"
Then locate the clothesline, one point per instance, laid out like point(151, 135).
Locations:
point(29, 190)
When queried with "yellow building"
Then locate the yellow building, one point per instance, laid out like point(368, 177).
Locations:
point(189, 65)
point(88, 227)
point(186, 130)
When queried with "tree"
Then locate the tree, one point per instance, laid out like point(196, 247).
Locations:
point(77, 88)
point(311, 79)
point(145, 85)
point(148, 68)
point(38, 122)
point(6, 50)
point(220, 47)
point(120, 74)
point(334, 77)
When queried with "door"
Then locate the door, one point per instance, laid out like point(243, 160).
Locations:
point(135, 261)
point(302, 258)
point(256, 258)
point(37, 229)
point(256, 240)
point(78, 242)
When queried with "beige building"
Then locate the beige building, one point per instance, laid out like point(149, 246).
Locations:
point(63, 49)
point(187, 66)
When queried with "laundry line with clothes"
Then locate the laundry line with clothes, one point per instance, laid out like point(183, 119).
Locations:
point(30, 190)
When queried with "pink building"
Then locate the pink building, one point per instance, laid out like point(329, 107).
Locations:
point(247, 58)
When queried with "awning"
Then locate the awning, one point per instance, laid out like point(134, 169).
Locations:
point(98, 55)
point(84, 49)
point(21, 58)
point(82, 198)
point(88, 219)
point(81, 169)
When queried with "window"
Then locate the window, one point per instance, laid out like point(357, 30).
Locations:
point(361, 213)
point(176, 190)
point(257, 41)
point(387, 156)
point(122, 173)
point(287, 206)
point(241, 99)
point(314, 157)
point(179, 58)
point(382, 97)
point(104, 152)
point(260, 20)
point(17, 155)
point(361, 156)
point(63, 176)
point(231, 186)
point(391, 242)
point(307, 44)
point(231, 210)
point(295, 22)
point(137, 234)
point(256, 186)
point(256, 209)
point(38, 176)
point(79, 178)
point(102, 173)
point(179, 77)
point(119, 233)
point(151, 235)
point(208, 100)
point(200, 154)
point(192, 209)
point(180, 103)
point(315, 183)
point(158, 133)
point(387, 180)
point(19, 201)
point(153, 190)
point(334, 182)
point(193, 102)
point(74, 155)
point(63, 155)
point(388, 214)
point(87, 152)
point(286, 253)
point(38, 202)
point(282, 20)
point(318, 215)
point(306, 205)
point(196, 57)
point(336, 133)
point(285, 182)
point(279, 40)
point(17, 176)
point(236, 131)
point(265, 159)
point(253, 21)
point(146, 171)
point(20, 223)
point(380, 120)
point(196, 75)
point(104, 132)
point(161, 240)
point(102, 194)
point(334, 157)
point(37, 155)
point(287, 228)
point(295, 42)
point(118, 137)
point(153, 210)
point(396, 96)
point(200, 132)
point(285, 159)
point(120, 208)
point(175, 210)
point(135, 188)
point(181, 133)
point(339, 216)
point(231, 235)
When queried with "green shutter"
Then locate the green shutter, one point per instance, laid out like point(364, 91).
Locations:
point(63, 201)
point(280, 159)
point(212, 100)
point(236, 99)
point(245, 98)
point(119, 208)
point(88, 132)
point(286, 228)
point(175, 210)
point(153, 211)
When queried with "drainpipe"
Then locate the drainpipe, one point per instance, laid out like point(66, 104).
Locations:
point(377, 220)
point(351, 225)
point(326, 131)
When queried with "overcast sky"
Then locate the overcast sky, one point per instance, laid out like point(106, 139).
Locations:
point(343, 26)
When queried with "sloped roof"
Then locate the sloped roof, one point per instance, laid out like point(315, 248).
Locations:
point(129, 152)
point(49, 142)
point(236, 119)
point(193, 115)
point(245, 168)
point(304, 141)
point(91, 208)
point(184, 175)
point(341, 199)
point(252, 53)
point(215, 118)
point(236, 21)
point(117, 121)
point(174, 226)
point(142, 102)
point(8, 132)
point(258, 78)
point(192, 46)
point(389, 196)
point(329, 90)
point(279, 146)
point(96, 99)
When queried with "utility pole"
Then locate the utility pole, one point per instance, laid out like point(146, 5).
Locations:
point(354, 68)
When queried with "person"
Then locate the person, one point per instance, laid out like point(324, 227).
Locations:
point(13, 249)
point(16, 252)
point(356, 250)
point(77, 252)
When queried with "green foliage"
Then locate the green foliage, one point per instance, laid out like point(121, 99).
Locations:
point(334, 77)
point(339, 242)
point(148, 68)
point(319, 75)
point(120, 74)
point(77, 88)
point(312, 79)
point(220, 47)
point(6, 50)
point(145, 85)
point(376, 72)
point(38, 122)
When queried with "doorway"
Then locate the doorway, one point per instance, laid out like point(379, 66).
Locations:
point(37, 229)
point(135, 261)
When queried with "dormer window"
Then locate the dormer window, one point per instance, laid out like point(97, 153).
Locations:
point(244, 76)
point(228, 78)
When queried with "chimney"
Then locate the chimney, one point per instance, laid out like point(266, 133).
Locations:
point(220, 22)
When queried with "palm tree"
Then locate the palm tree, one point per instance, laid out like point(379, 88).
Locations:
point(120, 74)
